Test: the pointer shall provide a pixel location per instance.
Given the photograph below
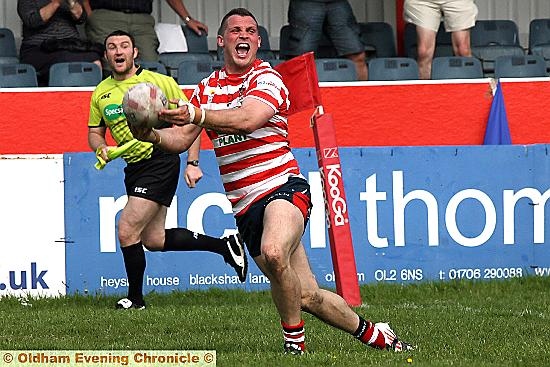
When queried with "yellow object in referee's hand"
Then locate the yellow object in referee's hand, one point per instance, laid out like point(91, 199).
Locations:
point(113, 153)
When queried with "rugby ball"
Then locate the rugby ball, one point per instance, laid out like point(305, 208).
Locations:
point(141, 104)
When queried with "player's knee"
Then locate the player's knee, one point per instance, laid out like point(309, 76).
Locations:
point(275, 260)
point(311, 300)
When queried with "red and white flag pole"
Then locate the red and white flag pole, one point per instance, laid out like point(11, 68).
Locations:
point(300, 77)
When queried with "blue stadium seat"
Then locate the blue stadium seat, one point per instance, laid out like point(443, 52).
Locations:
point(172, 60)
point(378, 38)
point(456, 67)
point(393, 68)
point(539, 39)
point(153, 66)
point(74, 74)
point(17, 76)
point(335, 70)
point(526, 66)
point(193, 71)
point(8, 50)
point(195, 43)
point(493, 38)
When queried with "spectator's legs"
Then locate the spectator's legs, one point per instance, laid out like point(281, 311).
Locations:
point(461, 43)
point(425, 49)
point(360, 61)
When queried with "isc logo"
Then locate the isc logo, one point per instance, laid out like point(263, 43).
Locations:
point(18, 279)
point(142, 190)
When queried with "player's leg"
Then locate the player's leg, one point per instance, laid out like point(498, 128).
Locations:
point(333, 309)
point(161, 183)
point(230, 247)
point(135, 216)
point(282, 230)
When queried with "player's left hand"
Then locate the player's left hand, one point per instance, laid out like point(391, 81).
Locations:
point(192, 175)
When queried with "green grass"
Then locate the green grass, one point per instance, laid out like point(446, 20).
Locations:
point(501, 323)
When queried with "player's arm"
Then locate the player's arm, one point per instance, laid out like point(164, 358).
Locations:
point(252, 115)
point(193, 173)
point(96, 140)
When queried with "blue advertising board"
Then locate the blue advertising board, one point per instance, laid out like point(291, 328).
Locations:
point(416, 214)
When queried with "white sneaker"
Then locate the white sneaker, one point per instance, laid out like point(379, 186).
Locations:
point(126, 304)
point(391, 340)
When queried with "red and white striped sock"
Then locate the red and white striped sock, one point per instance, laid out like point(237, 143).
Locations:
point(294, 336)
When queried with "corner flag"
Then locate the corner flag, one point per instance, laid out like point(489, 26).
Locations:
point(300, 77)
point(497, 131)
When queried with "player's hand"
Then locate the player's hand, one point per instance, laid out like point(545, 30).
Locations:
point(192, 175)
point(101, 151)
point(183, 115)
point(142, 133)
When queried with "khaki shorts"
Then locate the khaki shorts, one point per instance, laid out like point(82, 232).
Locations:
point(458, 15)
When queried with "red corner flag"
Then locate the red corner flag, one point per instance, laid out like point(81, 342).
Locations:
point(300, 77)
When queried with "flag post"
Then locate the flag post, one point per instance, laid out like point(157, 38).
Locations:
point(341, 245)
point(300, 77)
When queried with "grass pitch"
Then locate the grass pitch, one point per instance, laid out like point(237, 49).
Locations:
point(497, 323)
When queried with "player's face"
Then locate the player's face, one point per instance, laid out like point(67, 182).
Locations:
point(120, 55)
point(240, 42)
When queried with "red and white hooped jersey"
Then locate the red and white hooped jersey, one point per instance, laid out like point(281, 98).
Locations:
point(255, 164)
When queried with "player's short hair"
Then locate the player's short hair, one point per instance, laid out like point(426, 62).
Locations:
point(119, 32)
point(237, 11)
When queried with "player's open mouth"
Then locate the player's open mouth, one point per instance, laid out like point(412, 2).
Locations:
point(242, 49)
point(120, 60)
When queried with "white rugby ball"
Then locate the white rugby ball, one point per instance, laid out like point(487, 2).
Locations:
point(142, 103)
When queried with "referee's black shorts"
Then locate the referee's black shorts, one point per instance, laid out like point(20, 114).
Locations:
point(155, 179)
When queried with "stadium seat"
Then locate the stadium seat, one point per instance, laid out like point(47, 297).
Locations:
point(393, 68)
point(456, 67)
point(153, 66)
point(8, 50)
point(378, 38)
point(493, 38)
point(193, 71)
point(443, 42)
point(172, 60)
point(195, 43)
point(74, 74)
point(335, 70)
point(264, 52)
point(17, 76)
point(526, 66)
point(539, 39)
